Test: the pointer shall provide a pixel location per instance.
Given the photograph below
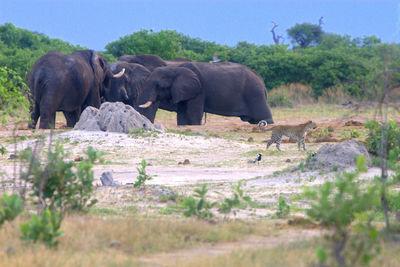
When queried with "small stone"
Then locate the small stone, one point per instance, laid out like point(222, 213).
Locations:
point(107, 180)
point(115, 244)
point(13, 156)
point(10, 251)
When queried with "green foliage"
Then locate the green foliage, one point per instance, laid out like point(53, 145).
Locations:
point(329, 60)
point(197, 204)
point(279, 100)
point(341, 205)
point(283, 208)
point(10, 207)
point(305, 34)
point(374, 139)
point(60, 184)
point(44, 228)
point(354, 133)
point(13, 94)
point(321, 133)
point(20, 48)
point(143, 176)
point(239, 200)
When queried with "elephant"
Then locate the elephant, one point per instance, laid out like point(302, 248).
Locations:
point(152, 61)
point(127, 88)
point(225, 88)
point(67, 83)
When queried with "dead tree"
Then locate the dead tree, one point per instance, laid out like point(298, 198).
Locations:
point(320, 22)
point(276, 38)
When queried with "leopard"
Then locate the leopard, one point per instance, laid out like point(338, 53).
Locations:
point(295, 131)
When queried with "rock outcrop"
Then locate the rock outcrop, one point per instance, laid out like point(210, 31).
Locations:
point(112, 117)
point(338, 156)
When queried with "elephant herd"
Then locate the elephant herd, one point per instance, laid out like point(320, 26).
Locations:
point(70, 83)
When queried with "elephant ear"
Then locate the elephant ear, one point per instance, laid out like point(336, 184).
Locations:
point(185, 86)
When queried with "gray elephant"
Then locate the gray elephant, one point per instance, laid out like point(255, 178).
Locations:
point(227, 89)
point(67, 83)
point(152, 61)
point(127, 88)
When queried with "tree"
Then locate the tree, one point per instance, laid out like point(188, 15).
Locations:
point(305, 34)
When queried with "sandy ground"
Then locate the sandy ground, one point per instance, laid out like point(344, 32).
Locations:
point(219, 155)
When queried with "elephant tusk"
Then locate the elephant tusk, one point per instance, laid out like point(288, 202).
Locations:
point(148, 104)
point(118, 75)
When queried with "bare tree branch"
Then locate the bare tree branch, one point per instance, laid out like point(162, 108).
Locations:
point(276, 38)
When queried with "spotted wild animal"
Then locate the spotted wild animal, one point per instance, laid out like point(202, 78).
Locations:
point(295, 131)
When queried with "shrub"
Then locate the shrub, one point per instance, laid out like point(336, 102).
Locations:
point(10, 207)
point(13, 91)
point(375, 137)
point(197, 204)
point(238, 200)
point(44, 228)
point(143, 176)
point(288, 96)
point(59, 184)
point(283, 208)
point(339, 205)
point(333, 95)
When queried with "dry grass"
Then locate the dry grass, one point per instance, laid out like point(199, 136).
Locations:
point(299, 254)
point(87, 239)
point(296, 93)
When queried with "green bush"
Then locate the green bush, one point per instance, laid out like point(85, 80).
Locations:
point(44, 228)
point(13, 95)
point(197, 204)
point(279, 100)
point(375, 137)
point(10, 207)
point(283, 208)
point(239, 200)
point(143, 176)
point(59, 184)
point(346, 207)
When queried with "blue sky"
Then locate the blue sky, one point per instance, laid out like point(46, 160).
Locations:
point(94, 23)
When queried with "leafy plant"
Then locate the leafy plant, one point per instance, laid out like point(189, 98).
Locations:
point(197, 204)
point(10, 207)
point(354, 133)
point(392, 130)
point(143, 176)
point(321, 133)
point(341, 204)
point(44, 228)
point(283, 208)
point(59, 184)
point(12, 94)
point(237, 201)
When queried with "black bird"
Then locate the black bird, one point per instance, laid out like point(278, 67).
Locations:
point(258, 159)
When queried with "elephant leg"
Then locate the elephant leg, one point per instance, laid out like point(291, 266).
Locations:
point(190, 112)
point(35, 112)
point(47, 119)
point(72, 117)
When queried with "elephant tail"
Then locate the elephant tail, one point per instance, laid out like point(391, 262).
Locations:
point(262, 124)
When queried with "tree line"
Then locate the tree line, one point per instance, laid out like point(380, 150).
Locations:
point(315, 58)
